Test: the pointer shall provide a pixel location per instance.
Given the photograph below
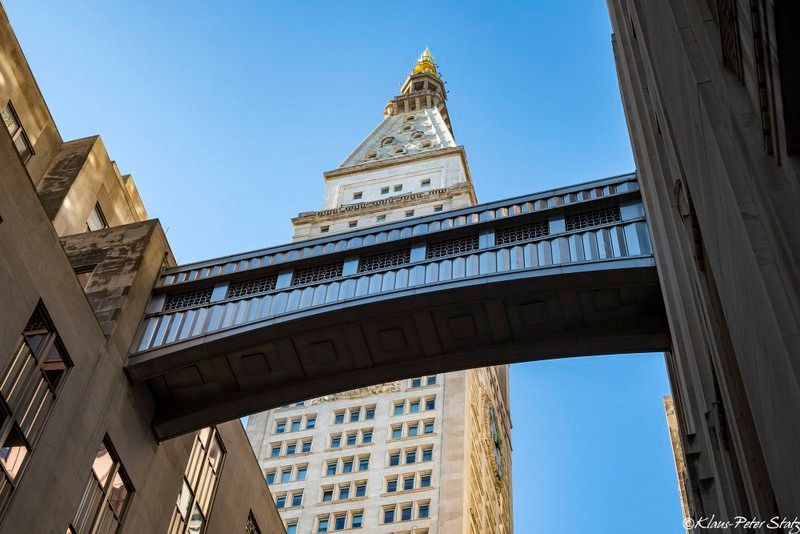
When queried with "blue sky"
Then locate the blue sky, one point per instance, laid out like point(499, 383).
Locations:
point(227, 117)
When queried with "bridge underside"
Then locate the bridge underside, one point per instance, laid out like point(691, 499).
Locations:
point(563, 311)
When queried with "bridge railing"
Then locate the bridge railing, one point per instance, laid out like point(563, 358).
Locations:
point(591, 223)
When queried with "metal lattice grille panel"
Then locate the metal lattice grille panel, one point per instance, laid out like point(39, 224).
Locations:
point(593, 218)
point(318, 273)
point(188, 298)
point(523, 232)
point(382, 261)
point(252, 287)
point(452, 246)
point(251, 527)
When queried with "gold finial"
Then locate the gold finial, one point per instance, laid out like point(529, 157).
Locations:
point(425, 64)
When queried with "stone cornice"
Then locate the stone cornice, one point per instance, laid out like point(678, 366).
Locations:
point(383, 204)
point(374, 165)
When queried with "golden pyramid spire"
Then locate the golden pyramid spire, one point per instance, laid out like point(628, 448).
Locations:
point(425, 64)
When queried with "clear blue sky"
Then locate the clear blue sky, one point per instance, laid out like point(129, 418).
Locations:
point(228, 113)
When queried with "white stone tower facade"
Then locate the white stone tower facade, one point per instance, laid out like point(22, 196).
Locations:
point(425, 455)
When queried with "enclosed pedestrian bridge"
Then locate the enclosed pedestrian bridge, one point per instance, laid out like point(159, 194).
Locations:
point(555, 274)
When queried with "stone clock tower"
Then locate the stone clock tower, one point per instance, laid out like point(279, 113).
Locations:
point(426, 455)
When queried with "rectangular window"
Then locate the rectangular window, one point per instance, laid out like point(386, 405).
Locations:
point(352, 224)
point(425, 481)
point(425, 183)
point(384, 190)
point(199, 483)
point(336, 441)
point(431, 380)
point(413, 407)
point(427, 454)
point(380, 218)
point(339, 522)
point(394, 459)
point(347, 466)
point(411, 456)
point(275, 451)
point(357, 195)
point(96, 220)
point(106, 496)
point(391, 485)
point(361, 489)
point(438, 207)
point(405, 513)
point(311, 422)
point(330, 468)
point(324, 229)
point(363, 463)
point(322, 525)
point(408, 483)
point(338, 418)
point(17, 132)
point(397, 432)
point(351, 439)
point(413, 430)
point(369, 413)
point(416, 382)
point(366, 437)
point(301, 473)
point(291, 528)
point(344, 492)
point(327, 495)
point(297, 499)
point(398, 409)
point(423, 511)
point(398, 187)
point(358, 520)
point(306, 446)
point(291, 448)
point(29, 388)
point(286, 475)
point(388, 515)
point(270, 477)
point(280, 427)
point(355, 415)
point(296, 425)
point(409, 213)
point(429, 427)
point(430, 404)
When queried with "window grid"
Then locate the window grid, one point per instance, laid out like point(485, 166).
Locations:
point(523, 232)
point(106, 496)
point(187, 299)
point(384, 260)
point(317, 273)
point(404, 511)
point(18, 135)
point(244, 288)
point(28, 386)
point(196, 495)
point(449, 247)
point(594, 217)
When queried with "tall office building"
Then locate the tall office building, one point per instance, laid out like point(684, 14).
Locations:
point(428, 454)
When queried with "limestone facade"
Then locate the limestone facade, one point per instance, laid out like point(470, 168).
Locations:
point(79, 259)
point(456, 426)
point(711, 100)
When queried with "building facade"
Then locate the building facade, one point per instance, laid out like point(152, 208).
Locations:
point(427, 454)
point(711, 98)
point(78, 258)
